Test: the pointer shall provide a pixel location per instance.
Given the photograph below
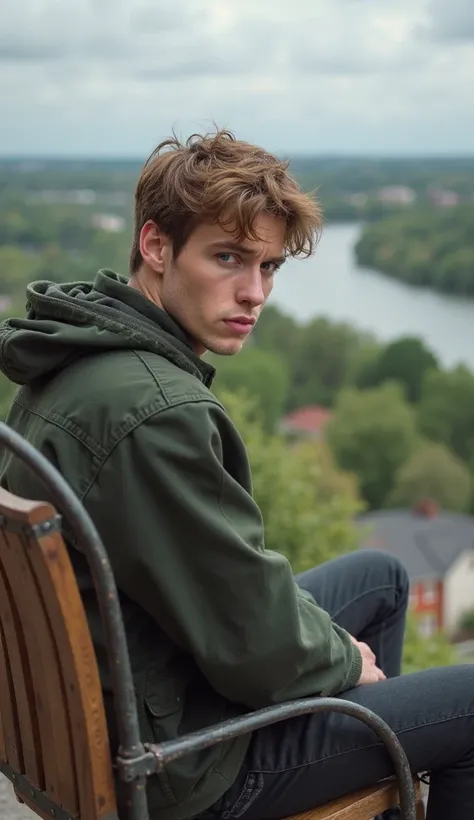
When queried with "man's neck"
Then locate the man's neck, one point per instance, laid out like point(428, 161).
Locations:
point(147, 285)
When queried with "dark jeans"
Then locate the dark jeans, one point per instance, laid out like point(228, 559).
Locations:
point(306, 761)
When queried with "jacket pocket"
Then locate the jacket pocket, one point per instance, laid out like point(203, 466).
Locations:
point(163, 693)
point(162, 702)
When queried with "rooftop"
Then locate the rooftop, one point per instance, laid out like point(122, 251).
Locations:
point(427, 543)
point(311, 420)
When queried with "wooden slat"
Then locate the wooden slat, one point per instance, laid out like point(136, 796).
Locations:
point(18, 509)
point(24, 695)
point(55, 577)
point(56, 741)
point(11, 752)
point(364, 805)
point(67, 691)
point(3, 752)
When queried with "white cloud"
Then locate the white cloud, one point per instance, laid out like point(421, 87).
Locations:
point(365, 75)
point(451, 20)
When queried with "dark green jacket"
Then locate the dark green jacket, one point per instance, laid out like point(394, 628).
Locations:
point(114, 396)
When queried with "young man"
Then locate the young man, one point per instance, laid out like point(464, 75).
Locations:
point(115, 393)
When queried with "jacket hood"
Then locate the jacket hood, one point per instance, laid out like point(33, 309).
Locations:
point(65, 322)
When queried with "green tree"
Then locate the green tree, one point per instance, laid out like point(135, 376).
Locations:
point(322, 355)
point(363, 358)
point(406, 361)
point(466, 622)
point(17, 267)
point(423, 246)
point(308, 504)
point(372, 433)
point(445, 410)
point(425, 653)
point(257, 373)
point(323, 360)
point(434, 472)
point(455, 271)
point(54, 264)
point(276, 332)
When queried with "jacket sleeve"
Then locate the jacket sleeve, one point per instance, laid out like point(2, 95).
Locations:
point(187, 545)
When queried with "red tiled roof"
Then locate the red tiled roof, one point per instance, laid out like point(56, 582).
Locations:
point(309, 419)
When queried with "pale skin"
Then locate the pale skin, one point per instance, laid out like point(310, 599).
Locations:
point(215, 279)
point(216, 289)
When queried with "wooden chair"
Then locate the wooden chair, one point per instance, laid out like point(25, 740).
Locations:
point(54, 745)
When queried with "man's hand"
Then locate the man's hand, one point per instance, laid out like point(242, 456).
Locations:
point(370, 671)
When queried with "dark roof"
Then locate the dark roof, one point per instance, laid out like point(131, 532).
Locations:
point(427, 547)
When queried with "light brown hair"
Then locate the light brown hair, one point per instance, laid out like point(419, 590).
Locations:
point(217, 178)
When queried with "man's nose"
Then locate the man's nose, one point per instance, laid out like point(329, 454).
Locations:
point(252, 288)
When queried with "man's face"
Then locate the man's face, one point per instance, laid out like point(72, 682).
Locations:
point(217, 286)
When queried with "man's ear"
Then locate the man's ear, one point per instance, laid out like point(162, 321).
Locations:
point(153, 245)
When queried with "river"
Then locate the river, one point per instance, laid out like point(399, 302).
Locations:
point(330, 284)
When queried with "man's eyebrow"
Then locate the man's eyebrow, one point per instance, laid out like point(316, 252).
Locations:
point(223, 244)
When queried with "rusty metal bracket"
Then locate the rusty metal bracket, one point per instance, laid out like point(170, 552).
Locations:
point(23, 788)
point(132, 768)
point(39, 530)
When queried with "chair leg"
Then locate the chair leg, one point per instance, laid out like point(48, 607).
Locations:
point(420, 810)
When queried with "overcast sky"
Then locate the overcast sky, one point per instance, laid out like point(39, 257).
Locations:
point(113, 77)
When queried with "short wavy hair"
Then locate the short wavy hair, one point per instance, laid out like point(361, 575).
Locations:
point(217, 178)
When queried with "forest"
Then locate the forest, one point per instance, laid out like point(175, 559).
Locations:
point(423, 248)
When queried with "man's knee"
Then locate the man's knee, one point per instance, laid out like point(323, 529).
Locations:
point(389, 570)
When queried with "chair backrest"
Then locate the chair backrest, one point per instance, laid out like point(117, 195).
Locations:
point(53, 736)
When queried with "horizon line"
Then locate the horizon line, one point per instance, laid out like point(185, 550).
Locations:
point(372, 155)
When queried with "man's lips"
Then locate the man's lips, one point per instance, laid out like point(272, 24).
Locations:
point(240, 324)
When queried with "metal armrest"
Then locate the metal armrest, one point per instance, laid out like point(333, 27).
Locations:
point(158, 756)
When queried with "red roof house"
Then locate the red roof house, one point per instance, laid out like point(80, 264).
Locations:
point(308, 422)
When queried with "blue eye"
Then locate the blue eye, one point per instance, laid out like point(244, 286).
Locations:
point(226, 257)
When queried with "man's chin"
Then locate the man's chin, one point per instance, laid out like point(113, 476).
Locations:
point(228, 348)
